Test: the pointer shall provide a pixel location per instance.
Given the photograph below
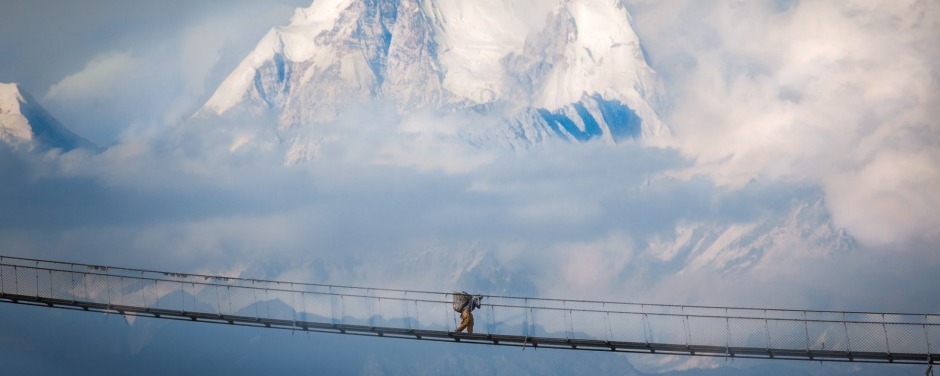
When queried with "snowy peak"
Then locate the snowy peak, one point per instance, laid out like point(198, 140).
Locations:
point(565, 68)
point(474, 38)
point(334, 49)
point(13, 125)
point(588, 56)
point(591, 49)
point(24, 122)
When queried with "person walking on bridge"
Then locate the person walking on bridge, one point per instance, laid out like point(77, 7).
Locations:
point(466, 314)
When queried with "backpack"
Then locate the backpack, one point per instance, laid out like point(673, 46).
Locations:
point(460, 300)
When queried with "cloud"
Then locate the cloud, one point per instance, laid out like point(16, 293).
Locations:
point(558, 220)
point(587, 266)
point(837, 94)
point(108, 95)
point(101, 74)
point(890, 199)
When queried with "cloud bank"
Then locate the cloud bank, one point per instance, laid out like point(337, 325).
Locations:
point(838, 94)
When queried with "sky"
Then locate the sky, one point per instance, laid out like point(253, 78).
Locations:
point(823, 111)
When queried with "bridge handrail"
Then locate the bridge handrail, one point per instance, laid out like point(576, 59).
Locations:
point(599, 325)
point(180, 279)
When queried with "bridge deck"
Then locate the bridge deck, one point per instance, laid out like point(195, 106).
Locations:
point(878, 337)
point(487, 339)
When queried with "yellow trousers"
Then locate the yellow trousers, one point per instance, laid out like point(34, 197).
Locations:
point(466, 321)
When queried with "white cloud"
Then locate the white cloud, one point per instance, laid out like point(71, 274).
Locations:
point(832, 93)
point(113, 91)
point(103, 74)
point(593, 265)
point(890, 199)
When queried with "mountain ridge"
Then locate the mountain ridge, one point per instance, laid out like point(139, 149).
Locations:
point(580, 75)
point(24, 122)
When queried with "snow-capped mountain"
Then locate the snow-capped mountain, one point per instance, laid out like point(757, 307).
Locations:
point(572, 69)
point(23, 122)
point(801, 229)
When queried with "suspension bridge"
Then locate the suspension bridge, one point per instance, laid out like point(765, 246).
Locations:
point(873, 337)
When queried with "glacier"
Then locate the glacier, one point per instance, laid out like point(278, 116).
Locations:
point(572, 69)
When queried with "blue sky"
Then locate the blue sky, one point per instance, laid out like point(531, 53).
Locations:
point(773, 104)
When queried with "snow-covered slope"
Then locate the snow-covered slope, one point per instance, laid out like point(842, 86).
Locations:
point(801, 229)
point(23, 122)
point(542, 68)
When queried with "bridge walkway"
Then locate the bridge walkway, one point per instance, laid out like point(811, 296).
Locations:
point(875, 337)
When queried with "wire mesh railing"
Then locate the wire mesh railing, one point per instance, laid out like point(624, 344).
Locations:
point(804, 332)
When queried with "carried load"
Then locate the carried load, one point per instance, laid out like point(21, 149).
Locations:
point(461, 299)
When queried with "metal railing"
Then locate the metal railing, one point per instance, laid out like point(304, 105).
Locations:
point(563, 323)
